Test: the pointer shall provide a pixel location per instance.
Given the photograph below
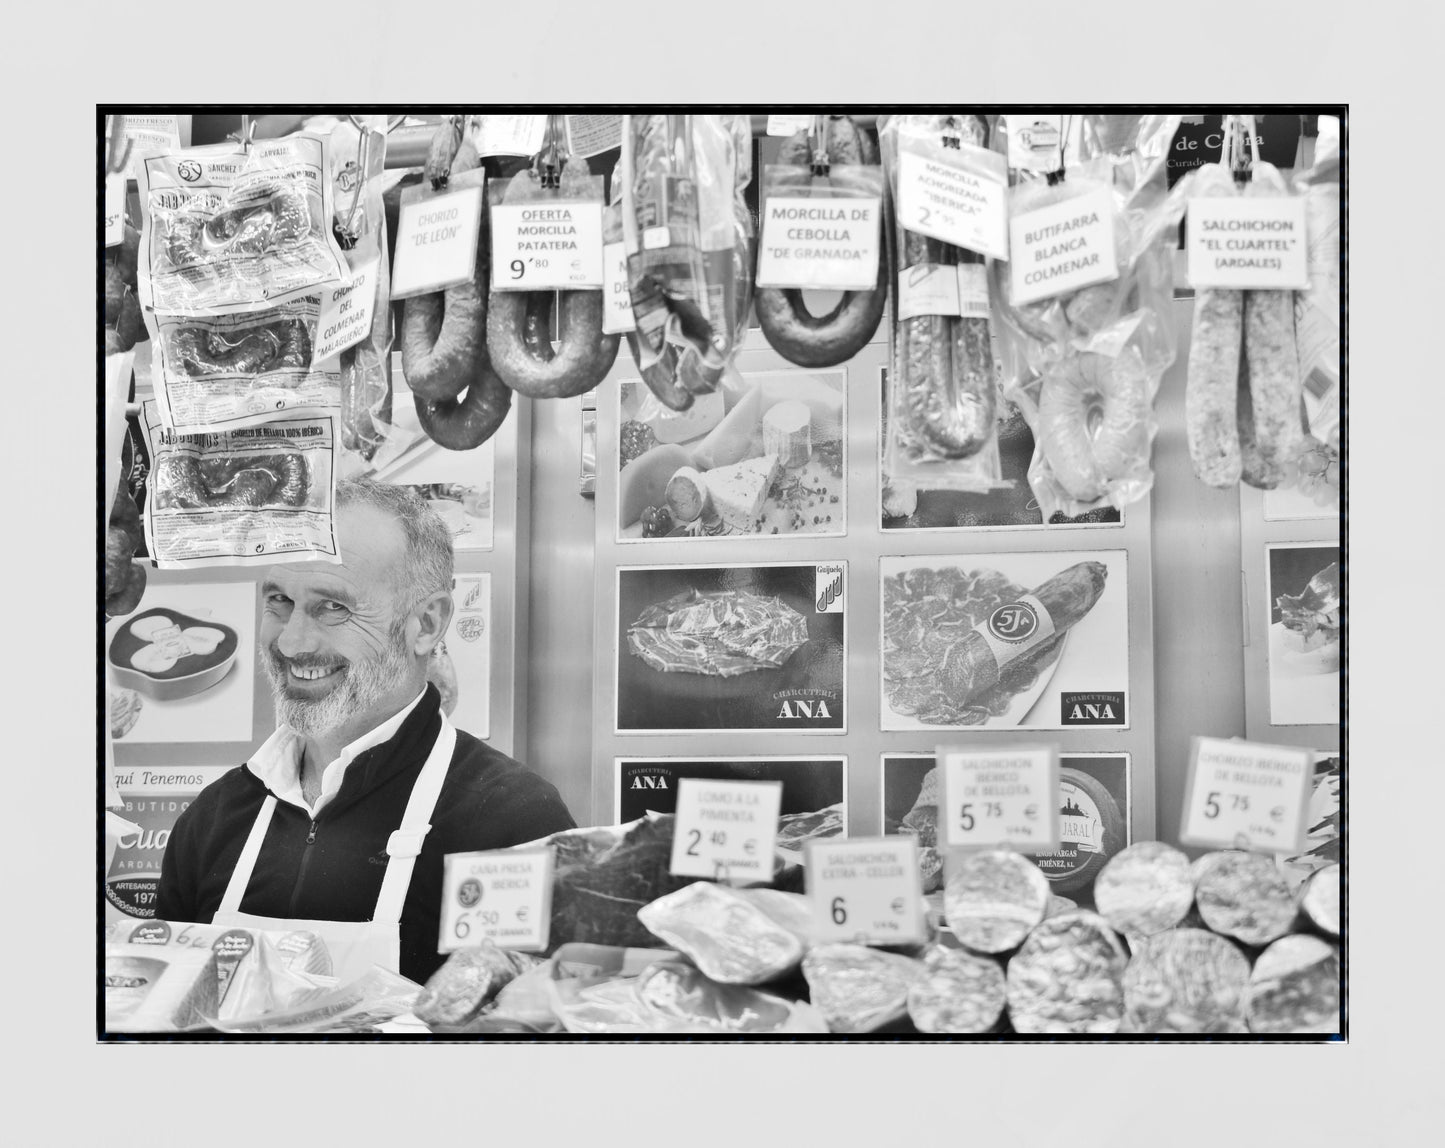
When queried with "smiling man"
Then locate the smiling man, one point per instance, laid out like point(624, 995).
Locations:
point(340, 820)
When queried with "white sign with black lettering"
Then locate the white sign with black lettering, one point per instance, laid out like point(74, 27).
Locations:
point(726, 830)
point(788, 125)
point(114, 209)
point(1062, 247)
point(345, 317)
point(553, 245)
point(866, 891)
point(1247, 795)
point(436, 237)
point(1248, 243)
point(825, 244)
point(959, 196)
point(1000, 797)
point(503, 896)
point(617, 317)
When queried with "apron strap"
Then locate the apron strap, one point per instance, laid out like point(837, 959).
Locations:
point(404, 845)
point(246, 863)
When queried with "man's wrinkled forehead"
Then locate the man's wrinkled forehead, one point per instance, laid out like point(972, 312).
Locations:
point(373, 550)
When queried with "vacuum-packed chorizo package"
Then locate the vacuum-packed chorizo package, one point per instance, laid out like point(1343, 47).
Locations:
point(254, 496)
point(942, 396)
point(1084, 307)
point(227, 228)
point(689, 241)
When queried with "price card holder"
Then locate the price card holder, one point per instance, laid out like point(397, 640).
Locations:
point(1003, 797)
point(547, 245)
point(346, 312)
point(503, 896)
point(1246, 243)
point(866, 890)
point(1247, 795)
point(617, 317)
point(436, 236)
point(726, 830)
point(829, 244)
point(788, 125)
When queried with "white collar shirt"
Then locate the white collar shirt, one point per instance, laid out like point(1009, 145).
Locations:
point(277, 762)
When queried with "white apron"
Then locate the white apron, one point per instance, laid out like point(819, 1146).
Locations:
point(355, 945)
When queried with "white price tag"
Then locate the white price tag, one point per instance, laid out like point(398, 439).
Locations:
point(436, 237)
point(1007, 796)
point(150, 133)
point(1244, 795)
point(943, 289)
point(726, 830)
point(345, 317)
point(114, 209)
point(1062, 247)
point(1248, 243)
point(547, 245)
point(592, 135)
point(960, 197)
point(788, 125)
point(866, 890)
point(503, 896)
point(617, 317)
point(509, 135)
point(828, 244)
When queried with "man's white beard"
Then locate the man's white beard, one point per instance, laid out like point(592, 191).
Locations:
point(362, 687)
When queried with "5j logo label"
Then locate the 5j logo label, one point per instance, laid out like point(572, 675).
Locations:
point(1015, 622)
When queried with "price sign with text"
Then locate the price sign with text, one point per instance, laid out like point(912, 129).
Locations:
point(1245, 795)
point(957, 195)
point(346, 312)
point(617, 317)
point(825, 244)
point(1063, 247)
point(1007, 796)
point(114, 209)
point(503, 896)
point(550, 245)
point(866, 890)
point(1248, 243)
point(788, 125)
point(436, 236)
point(726, 830)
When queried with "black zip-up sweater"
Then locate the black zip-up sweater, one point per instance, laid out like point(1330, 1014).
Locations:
point(331, 868)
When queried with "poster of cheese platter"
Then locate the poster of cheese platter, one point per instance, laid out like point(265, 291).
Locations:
point(1304, 634)
point(763, 455)
point(1094, 815)
point(757, 648)
point(814, 801)
point(182, 666)
point(1001, 641)
point(457, 484)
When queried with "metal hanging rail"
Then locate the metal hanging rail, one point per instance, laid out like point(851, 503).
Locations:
point(407, 146)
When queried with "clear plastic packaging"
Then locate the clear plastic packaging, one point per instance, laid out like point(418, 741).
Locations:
point(689, 241)
point(231, 228)
point(1085, 365)
point(942, 401)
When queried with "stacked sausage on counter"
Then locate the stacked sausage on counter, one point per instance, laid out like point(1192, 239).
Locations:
point(1224, 946)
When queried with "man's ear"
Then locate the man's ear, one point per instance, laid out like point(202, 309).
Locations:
point(433, 617)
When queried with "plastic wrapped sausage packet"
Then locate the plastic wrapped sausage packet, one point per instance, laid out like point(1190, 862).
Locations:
point(1084, 366)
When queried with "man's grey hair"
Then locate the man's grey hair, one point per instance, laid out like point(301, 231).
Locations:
point(430, 562)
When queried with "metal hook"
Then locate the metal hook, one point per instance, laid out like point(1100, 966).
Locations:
point(348, 230)
point(552, 158)
point(952, 131)
point(819, 137)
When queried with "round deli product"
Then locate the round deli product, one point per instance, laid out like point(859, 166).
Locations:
point(1244, 895)
point(1145, 888)
point(1186, 981)
point(958, 993)
point(1068, 977)
point(994, 899)
point(1321, 901)
point(859, 989)
point(1295, 987)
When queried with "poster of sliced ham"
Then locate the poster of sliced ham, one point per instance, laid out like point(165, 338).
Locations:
point(731, 648)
